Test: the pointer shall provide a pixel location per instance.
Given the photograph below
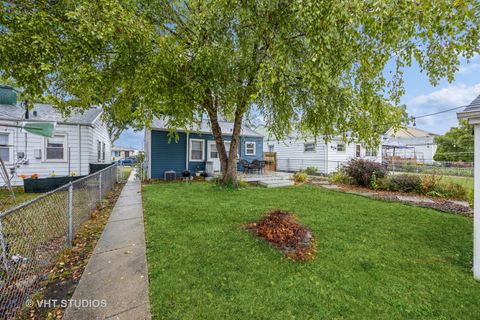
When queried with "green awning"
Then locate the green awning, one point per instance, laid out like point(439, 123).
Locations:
point(46, 129)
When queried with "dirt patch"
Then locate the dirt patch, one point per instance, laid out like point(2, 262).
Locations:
point(281, 229)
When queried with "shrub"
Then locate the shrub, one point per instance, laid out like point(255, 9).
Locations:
point(340, 177)
point(300, 177)
point(405, 183)
point(383, 183)
point(361, 171)
point(451, 190)
point(311, 170)
point(470, 199)
point(430, 182)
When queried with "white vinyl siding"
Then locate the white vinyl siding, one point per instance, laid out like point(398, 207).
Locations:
point(80, 150)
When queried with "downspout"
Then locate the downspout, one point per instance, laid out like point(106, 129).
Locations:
point(79, 150)
point(186, 147)
point(326, 158)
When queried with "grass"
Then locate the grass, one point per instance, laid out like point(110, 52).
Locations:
point(125, 172)
point(375, 259)
point(466, 182)
point(20, 196)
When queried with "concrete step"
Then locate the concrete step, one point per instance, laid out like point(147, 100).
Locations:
point(276, 183)
point(265, 178)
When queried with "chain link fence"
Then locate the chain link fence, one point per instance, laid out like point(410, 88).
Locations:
point(34, 233)
point(322, 166)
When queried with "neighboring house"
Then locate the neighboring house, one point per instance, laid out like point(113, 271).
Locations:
point(293, 153)
point(409, 143)
point(123, 152)
point(194, 150)
point(79, 140)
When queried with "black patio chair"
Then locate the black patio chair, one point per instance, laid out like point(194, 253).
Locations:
point(258, 165)
point(247, 166)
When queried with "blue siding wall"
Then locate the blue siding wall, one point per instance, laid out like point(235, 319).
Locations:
point(167, 156)
point(171, 156)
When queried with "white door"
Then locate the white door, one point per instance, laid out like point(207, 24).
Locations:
point(212, 154)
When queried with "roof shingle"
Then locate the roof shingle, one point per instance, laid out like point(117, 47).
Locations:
point(47, 112)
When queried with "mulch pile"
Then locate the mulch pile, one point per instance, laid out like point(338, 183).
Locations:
point(281, 229)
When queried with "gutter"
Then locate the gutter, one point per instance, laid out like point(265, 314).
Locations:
point(58, 122)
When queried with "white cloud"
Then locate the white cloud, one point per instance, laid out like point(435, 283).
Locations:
point(130, 138)
point(469, 68)
point(444, 98)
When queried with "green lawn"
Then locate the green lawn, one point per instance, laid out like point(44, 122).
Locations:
point(466, 182)
point(20, 196)
point(375, 259)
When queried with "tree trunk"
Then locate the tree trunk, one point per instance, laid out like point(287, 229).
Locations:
point(228, 163)
point(231, 172)
point(211, 105)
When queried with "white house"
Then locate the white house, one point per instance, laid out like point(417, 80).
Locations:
point(79, 140)
point(293, 154)
point(413, 144)
point(119, 152)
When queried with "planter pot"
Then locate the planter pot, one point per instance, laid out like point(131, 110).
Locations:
point(46, 184)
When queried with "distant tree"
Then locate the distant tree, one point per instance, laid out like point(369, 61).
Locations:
point(315, 67)
point(456, 144)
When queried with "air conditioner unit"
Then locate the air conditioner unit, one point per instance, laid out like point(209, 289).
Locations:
point(170, 175)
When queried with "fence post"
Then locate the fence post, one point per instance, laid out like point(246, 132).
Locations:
point(70, 214)
point(100, 185)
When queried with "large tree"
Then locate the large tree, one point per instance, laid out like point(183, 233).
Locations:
point(456, 144)
point(321, 68)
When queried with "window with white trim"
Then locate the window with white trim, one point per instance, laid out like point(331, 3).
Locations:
point(271, 148)
point(99, 150)
point(56, 148)
point(340, 147)
point(103, 151)
point(371, 152)
point(309, 147)
point(4, 146)
point(197, 148)
point(250, 148)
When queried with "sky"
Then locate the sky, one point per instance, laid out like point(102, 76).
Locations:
point(420, 98)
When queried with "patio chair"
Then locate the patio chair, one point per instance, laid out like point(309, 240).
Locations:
point(258, 165)
point(247, 166)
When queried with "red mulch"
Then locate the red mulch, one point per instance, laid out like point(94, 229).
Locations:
point(281, 229)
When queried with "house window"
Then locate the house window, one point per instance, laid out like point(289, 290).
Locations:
point(99, 151)
point(55, 148)
point(103, 151)
point(271, 148)
point(250, 148)
point(340, 147)
point(309, 147)
point(371, 152)
point(358, 149)
point(197, 150)
point(4, 147)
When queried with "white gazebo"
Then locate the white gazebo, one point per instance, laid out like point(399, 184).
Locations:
point(472, 114)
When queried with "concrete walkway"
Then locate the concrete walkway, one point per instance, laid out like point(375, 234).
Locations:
point(114, 284)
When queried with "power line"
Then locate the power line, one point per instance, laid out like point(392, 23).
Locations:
point(438, 112)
